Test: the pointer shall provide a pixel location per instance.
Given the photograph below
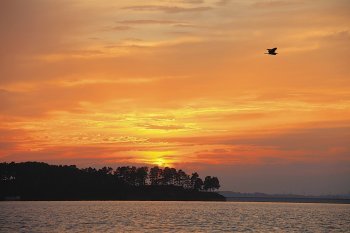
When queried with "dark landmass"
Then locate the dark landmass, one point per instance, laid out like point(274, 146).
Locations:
point(34, 181)
point(147, 193)
point(290, 198)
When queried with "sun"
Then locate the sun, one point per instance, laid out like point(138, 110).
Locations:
point(159, 158)
point(161, 162)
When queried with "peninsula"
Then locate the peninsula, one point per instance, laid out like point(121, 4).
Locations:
point(41, 181)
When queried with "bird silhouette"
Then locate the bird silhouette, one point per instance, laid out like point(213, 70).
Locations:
point(271, 51)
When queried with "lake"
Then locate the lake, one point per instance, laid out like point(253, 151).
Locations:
point(147, 216)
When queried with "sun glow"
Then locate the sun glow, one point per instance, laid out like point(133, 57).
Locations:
point(159, 158)
point(161, 162)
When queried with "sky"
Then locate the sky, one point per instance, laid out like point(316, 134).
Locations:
point(181, 83)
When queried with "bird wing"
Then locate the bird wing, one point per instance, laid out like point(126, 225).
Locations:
point(272, 50)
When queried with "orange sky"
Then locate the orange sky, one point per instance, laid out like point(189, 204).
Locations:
point(181, 83)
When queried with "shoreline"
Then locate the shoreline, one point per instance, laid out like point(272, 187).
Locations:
point(147, 195)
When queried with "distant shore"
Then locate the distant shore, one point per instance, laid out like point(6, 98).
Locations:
point(289, 200)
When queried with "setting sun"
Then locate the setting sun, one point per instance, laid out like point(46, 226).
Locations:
point(159, 158)
point(161, 162)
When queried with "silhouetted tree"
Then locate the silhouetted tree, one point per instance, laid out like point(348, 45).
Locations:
point(132, 176)
point(198, 185)
point(127, 174)
point(89, 170)
point(141, 175)
point(121, 173)
point(194, 177)
point(207, 183)
point(215, 183)
point(169, 175)
point(211, 183)
point(196, 182)
point(183, 179)
point(155, 175)
point(105, 171)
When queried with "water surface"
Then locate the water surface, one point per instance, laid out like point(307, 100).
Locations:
point(139, 216)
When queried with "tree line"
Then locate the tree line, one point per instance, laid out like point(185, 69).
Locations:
point(139, 176)
point(40, 181)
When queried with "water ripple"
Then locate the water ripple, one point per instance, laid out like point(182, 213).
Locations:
point(138, 216)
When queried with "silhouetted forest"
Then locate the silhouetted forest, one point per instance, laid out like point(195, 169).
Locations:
point(41, 181)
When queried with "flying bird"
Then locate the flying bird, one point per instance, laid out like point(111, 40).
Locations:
point(271, 51)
